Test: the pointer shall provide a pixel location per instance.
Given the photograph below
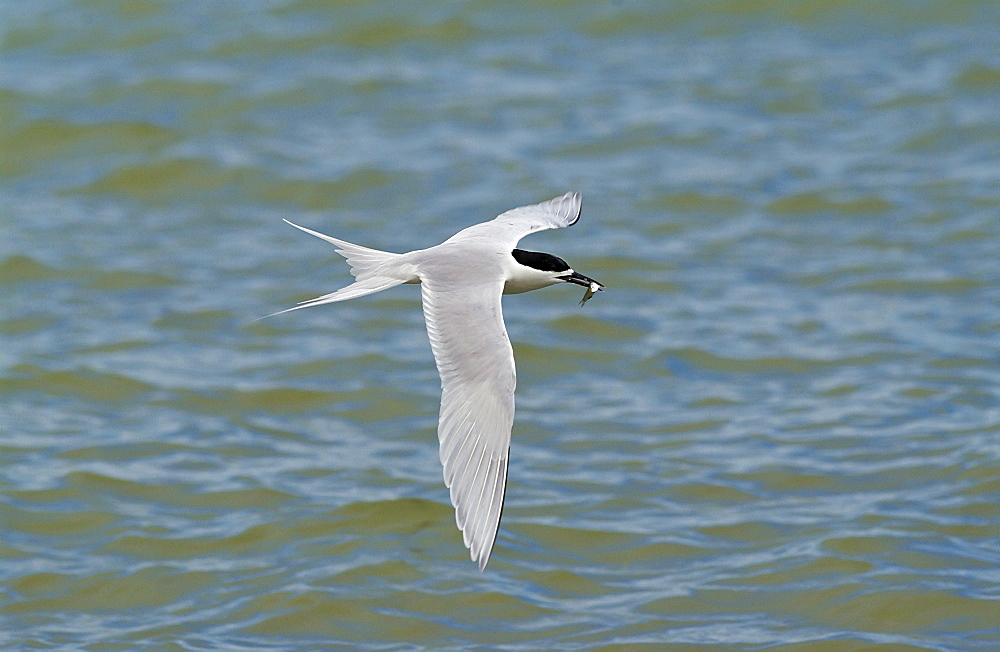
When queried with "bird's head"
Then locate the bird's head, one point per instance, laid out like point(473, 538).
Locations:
point(534, 270)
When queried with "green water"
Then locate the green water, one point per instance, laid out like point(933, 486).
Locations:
point(779, 428)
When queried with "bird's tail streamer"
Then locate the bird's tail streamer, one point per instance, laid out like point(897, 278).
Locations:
point(373, 271)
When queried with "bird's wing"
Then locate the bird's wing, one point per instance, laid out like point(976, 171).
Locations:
point(476, 363)
point(508, 228)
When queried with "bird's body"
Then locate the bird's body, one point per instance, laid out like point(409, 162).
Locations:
point(462, 280)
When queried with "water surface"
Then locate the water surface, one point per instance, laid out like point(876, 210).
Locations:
point(777, 429)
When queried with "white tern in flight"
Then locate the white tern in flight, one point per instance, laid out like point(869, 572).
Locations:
point(461, 281)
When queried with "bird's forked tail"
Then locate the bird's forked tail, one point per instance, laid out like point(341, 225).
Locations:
point(373, 271)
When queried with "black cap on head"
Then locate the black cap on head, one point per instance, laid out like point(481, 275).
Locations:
point(540, 261)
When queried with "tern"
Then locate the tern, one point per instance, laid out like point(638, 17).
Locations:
point(461, 282)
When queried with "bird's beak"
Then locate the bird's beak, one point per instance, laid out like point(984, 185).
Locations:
point(580, 279)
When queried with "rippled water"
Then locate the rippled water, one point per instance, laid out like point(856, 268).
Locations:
point(779, 428)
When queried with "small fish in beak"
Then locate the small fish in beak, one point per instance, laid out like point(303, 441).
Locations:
point(592, 289)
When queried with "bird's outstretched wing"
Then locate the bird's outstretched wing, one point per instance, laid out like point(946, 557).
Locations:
point(508, 228)
point(476, 363)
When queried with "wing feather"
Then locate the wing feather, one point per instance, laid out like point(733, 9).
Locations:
point(476, 363)
point(508, 228)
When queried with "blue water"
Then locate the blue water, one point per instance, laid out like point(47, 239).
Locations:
point(779, 428)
